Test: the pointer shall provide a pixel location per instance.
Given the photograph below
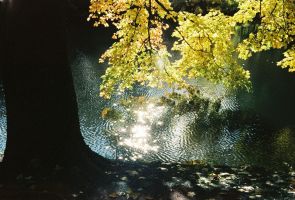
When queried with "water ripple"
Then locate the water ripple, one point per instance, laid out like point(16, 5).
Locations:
point(148, 135)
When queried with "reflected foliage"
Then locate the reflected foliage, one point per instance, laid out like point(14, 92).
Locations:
point(109, 113)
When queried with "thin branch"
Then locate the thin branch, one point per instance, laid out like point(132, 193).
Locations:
point(260, 2)
point(163, 7)
point(180, 33)
point(273, 9)
point(286, 25)
point(135, 22)
point(149, 8)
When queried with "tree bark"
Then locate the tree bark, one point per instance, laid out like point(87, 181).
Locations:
point(42, 119)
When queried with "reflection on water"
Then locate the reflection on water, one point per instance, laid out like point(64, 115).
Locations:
point(149, 131)
point(2, 123)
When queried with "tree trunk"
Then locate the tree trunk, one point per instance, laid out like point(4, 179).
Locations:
point(42, 119)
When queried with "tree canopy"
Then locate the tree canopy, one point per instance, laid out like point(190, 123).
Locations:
point(157, 45)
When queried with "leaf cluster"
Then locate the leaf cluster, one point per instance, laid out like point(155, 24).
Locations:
point(204, 41)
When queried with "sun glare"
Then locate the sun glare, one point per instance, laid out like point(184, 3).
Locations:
point(138, 135)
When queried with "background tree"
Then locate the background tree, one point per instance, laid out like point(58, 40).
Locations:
point(207, 40)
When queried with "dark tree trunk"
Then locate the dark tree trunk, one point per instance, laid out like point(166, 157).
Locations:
point(42, 118)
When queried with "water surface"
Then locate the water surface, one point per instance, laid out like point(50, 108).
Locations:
point(2, 123)
point(149, 132)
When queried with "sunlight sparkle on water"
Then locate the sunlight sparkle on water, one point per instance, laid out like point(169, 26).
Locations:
point(140, 116)
point(123, 130)
point(140, 131)
point(139, 137)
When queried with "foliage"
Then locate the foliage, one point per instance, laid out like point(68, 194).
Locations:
point(112, 114)
point(276, 28)
point(203, 41)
